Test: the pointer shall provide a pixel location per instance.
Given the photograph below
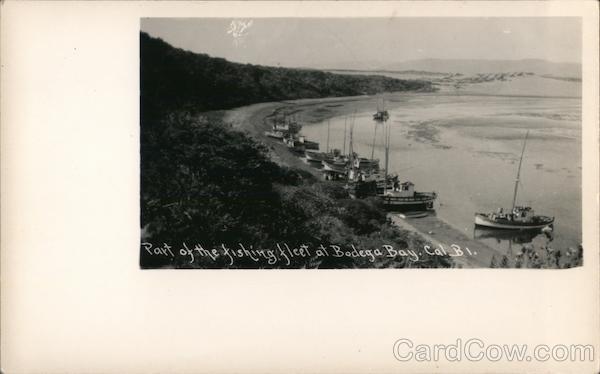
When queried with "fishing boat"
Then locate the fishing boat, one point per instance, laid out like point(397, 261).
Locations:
point(275, 134)
point(334, 169)
point(289, 126)
point(333, 175)
point(313, 156)
point(281, 127)
point(372, 164)
point(361, 167)
point(519, 217)
point(402, 195)
point(308, 144)
point(334, 156)
point(294, 145)
point(362, 163)
point(291, 137)
point(381, 115)
point(334, 165)
point(395, 195)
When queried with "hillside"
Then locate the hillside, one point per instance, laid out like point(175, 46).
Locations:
point(205, 184)
point(174, 78)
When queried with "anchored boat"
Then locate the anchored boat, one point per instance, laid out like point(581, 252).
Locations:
point(275, 134)
point(395, 195)
point(519, 217)
point(314, 156)
point(402, 196)
point(405, 197)
point(338, 165)
point(381, 115)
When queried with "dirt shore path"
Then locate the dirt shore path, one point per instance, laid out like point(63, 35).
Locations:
point(448, 239)
point(252, 120)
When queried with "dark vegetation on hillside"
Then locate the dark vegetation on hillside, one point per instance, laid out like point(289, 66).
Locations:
point(172, 78)
point(204, 183)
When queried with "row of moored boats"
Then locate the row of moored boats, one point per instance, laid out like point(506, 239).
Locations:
point(364, 177)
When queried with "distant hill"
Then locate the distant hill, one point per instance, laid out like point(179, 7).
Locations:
point(172, 78)
point(472, 67)
point(420, 73)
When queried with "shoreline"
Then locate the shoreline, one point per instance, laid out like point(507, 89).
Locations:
point(251, 119)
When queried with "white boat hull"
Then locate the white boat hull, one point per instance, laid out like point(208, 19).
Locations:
point(481, 220)
point(332, 167)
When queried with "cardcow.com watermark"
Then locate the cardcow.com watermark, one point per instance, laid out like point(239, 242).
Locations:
point(476, 350)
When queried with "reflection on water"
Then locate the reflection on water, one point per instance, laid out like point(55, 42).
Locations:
point(510, 236)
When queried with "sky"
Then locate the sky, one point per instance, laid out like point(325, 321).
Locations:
point(348, 43)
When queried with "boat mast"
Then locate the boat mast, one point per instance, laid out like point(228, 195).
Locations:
point(373, 145)
point(387, 152)
point(345, 123)
point(519, 173)
point(351, 140)
point(351, 148)
point(375, 132)
point(327, 136)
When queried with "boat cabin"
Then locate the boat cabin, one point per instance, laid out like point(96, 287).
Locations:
point(523, 213)
point(275, 134)
point(281, 127)
point(333, 175)
point(366, 164)
point(356, 175)
point(519, 213)
point(294, 144)
point(404, 189)
point(381, 115)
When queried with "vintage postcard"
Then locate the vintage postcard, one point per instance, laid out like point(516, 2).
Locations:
point(330, 143)
point(353, 187)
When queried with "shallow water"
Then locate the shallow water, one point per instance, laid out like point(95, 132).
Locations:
point(467, 148)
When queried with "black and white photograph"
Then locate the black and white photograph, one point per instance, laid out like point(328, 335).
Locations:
point(321, 143)
point(299, 187)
